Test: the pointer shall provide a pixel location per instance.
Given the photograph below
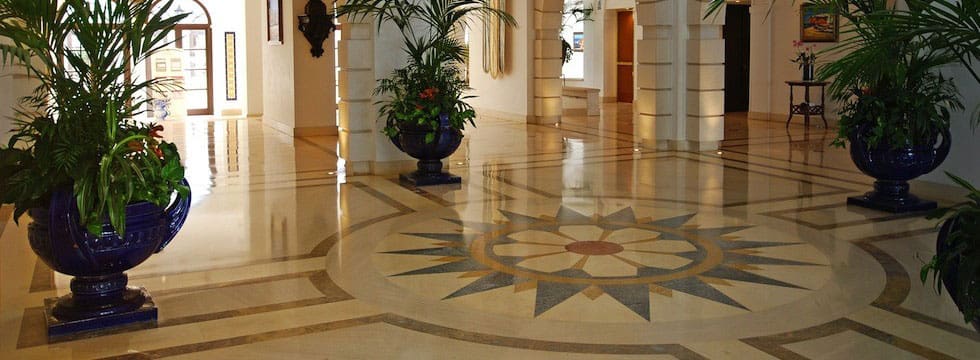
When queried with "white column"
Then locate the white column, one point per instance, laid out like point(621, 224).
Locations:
point(357, 114)
point(657, 75)
point(547, 61)
point(705, 78)
point(760, 62)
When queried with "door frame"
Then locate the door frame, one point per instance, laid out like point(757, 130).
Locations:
point(178, 29)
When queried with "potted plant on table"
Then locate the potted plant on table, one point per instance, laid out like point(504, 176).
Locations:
point(426, 109)
point(99, 185)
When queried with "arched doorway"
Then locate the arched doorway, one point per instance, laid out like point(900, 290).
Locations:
point(193, 36)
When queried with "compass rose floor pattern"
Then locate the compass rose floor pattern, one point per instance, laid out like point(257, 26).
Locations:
point(566, 242)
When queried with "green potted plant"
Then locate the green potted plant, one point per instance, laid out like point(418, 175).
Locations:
point(896, 101)
point(956, 264)
point(426, 110)
point(99, 185)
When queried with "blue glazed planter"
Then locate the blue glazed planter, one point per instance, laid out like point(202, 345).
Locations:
point(951, 278)
point(100, 297)
point(892, 167)
point(411, 140)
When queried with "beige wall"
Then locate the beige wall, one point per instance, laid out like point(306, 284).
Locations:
point(253, 42)
point(962, 160)
point(772, 50)
point(14, 84)
point(300, 96)
point(278, 74)
point(512, 95)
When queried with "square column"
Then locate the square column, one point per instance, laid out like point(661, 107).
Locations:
point(547, 61)
point(657, 80)
point(358, 118)
point(705, 124)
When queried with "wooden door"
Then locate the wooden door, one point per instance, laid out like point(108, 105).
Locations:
point(737, 43)
point(624, 57)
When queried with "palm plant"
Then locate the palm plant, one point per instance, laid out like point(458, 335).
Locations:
point(76, 130)
point(957, 261)
point(431, 83)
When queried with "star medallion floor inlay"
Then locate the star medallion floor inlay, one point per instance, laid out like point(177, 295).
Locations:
point(629, 259)
point(619, 263)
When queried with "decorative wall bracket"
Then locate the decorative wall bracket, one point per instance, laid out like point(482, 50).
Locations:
point(316, 25)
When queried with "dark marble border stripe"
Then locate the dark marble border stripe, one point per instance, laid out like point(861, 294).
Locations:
point(799, 172)
point(747, 155)
point(780, 214)
point(775, 344)
point(675, 350)
point(32, 328)
point(898, 285)
point(421, 192)
point(250, 281)
point(250, 339)
point(324, 246)
point(247, 311)
point(898, 342)
point(500, 176)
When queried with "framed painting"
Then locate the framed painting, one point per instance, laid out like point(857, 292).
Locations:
point(274, 12)
point(578, 41)
point(819, 24)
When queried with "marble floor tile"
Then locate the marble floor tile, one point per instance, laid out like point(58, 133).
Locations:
point(563, 242)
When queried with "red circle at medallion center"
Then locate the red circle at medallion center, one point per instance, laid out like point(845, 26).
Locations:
point(594, 248)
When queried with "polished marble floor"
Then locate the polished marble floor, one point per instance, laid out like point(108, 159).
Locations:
point(564, 242)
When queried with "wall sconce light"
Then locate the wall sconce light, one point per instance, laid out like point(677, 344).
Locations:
point(316, 25)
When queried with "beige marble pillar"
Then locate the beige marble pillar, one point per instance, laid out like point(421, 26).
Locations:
point(547, 61)
point(705, 78)
point(357, 114)
point(680, 75)
point(657, 72)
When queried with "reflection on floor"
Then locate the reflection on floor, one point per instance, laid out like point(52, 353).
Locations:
point(564, 242)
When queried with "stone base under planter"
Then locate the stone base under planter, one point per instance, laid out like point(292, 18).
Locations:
point(145, 315)
point(905, 205)
point(417, 178)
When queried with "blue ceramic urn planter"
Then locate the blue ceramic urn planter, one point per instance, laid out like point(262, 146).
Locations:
point(892, 167)
point(100, 298)
point(411, 140)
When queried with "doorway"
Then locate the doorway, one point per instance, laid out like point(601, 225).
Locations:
point(737, 34)
point(195, 41)
point(193, 36)
point(624, 56)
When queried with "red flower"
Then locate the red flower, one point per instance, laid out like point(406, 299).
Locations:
point(429, 94)
point(155, 131)
point(419, 107)
point(135, 146)
point(158, 152)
